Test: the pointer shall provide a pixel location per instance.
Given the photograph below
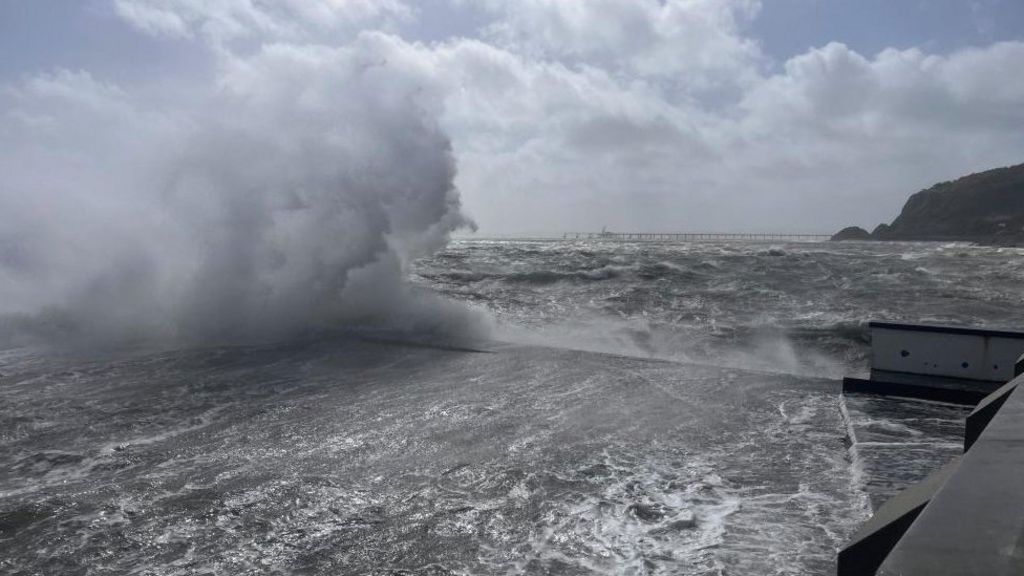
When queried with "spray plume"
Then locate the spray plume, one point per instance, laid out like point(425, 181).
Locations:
point(287, 197)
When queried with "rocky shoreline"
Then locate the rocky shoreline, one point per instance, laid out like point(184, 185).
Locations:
point(984, 208)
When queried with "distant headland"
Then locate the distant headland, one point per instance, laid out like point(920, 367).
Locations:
point(987, 207)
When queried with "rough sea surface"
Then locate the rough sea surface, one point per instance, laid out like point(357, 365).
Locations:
point(644, 408)
point(793, 308)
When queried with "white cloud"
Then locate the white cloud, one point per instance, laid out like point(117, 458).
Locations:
point(226, 20)
point(637, 114)
point(695, 45)
point(834, 137)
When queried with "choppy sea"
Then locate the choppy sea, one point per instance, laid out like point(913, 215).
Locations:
point(641, 408)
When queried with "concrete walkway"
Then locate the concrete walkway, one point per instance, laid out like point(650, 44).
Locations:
point(975, 523)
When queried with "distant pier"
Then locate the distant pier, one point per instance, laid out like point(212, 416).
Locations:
point(692, 236)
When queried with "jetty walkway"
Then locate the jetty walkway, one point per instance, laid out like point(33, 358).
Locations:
point(692, 236)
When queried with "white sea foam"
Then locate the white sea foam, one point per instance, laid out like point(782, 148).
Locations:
point(858, 476)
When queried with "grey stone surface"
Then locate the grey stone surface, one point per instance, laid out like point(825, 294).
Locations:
point(983, 413)
point(975, 523)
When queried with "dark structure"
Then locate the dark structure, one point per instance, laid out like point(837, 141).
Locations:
point(941, 363)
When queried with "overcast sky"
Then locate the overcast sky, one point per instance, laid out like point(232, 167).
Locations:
point(645, 115)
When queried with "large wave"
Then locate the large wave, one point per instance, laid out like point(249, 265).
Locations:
point(286, 194)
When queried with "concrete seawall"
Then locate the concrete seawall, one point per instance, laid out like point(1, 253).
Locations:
point(974, 524)
point(968, 517)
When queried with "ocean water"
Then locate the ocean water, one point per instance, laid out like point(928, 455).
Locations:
point(642, 408)
point(794, 308)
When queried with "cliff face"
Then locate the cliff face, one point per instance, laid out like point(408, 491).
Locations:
point(985, 207)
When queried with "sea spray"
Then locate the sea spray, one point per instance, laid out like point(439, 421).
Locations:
point(289, 197)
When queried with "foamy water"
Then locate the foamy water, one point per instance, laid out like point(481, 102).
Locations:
point(713, 441)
